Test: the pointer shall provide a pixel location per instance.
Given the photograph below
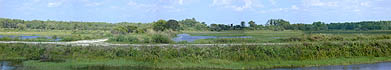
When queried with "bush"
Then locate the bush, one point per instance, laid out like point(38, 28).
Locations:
point(143, 38)
point(159, 38)
point(294, 39)
point(126, 38)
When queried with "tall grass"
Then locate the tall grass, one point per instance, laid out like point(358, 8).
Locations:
point(305, 51)
point(219, 56)
point(333, 37)
point(141, 38)
point(150, 37)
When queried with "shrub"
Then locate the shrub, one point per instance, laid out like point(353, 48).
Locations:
point(159, 38)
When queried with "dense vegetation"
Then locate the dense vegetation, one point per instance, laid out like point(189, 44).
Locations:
point(189, 25)
point(313, 44)
point(336, 38)
point(220, 56)
point(53, 25)
point(160, 31)
point(125, 32)
point(280, 24)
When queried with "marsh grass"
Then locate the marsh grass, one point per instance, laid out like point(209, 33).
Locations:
point(336, 37)
point(260, 36)
point(346, 32)
point(150, 37)
point(64, 35)
point(232, 57)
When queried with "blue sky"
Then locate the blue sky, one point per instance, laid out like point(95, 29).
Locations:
point(209, 11)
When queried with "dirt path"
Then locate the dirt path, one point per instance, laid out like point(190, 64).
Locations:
point(90, 41)
point(101, 42)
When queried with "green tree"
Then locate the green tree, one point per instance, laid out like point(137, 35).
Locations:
point(280, 23)
point(21, 26)
point(320, 25)
point(252, 24)
point(172, 24)
point(243, 24)
point(159, 25)
point(124, 29)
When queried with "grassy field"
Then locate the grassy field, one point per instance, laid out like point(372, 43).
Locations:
point(347, 32)
point(261, 36)
point(204, 64)
point(305, 49)
point(232, 57)
point(64, 35)
point(266, 36)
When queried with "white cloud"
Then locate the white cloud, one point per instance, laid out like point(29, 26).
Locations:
point(94, 4)
point(320, 3)
point(54, 4)
point(273, 2)
point(91, 3)
point(246, 4)
point(154, 7)
point(288, 9)
point(294, 7)
point(29, 5)
point(339, 5)
point(364, 4)
point(140, 5)
point(180, 2)
point(336, 3)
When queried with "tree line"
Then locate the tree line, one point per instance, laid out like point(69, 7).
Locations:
point(189, 24)
point(281, 24)
point(53, 25)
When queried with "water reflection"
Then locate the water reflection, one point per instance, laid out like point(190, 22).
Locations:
point(30, 37)
point(189, 38)
point(6, 66)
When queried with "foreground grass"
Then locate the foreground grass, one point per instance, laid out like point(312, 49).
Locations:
point(231, 57)
point(350, 32)
point(205, 63)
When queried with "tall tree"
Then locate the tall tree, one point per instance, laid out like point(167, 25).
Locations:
point(172, 24)
point(243, 24)
point(320, 25)
point(252, 24)
point(159, 25)
point(279, 23)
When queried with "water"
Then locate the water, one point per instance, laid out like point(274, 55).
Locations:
point(189, 38)
point(4, 65)
point(376, 66)
point(29, 37)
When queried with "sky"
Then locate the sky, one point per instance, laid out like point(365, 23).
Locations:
point(209, 11)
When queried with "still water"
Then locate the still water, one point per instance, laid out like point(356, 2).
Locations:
point(189, 38)
point(5, 65)
point(11, 65)
point(29, 37)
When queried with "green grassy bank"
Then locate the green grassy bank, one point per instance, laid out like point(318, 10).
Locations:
point(233, 57)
